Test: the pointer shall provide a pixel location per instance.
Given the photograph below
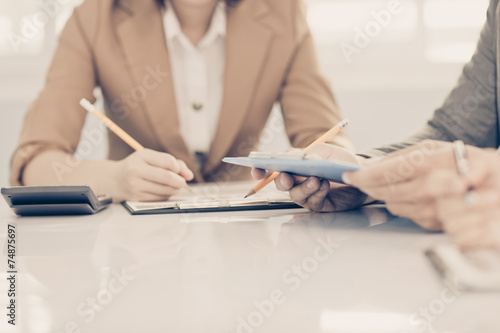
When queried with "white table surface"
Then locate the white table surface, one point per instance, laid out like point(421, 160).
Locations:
point(221, 272)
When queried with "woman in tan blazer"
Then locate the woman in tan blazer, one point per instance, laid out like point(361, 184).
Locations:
point(120, 46)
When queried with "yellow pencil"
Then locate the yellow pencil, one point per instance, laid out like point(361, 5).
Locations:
point(111, 125)
point(322, 139)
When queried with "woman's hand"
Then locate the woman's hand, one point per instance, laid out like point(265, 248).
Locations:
point(148, 175)
point(320, 195)
point(410, 183)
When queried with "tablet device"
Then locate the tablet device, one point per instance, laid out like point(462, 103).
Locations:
point(54, 200)
point(301, 167)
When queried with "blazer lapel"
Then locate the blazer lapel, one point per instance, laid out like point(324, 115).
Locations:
point(247, 38)
point(143, 42)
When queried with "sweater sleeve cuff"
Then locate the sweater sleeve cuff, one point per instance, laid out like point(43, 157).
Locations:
point(24, 155)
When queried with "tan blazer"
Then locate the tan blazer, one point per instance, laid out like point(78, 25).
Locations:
point(120, 46)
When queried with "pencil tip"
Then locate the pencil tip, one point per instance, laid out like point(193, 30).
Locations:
point(252, 192)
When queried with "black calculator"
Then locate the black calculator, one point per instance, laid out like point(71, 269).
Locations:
point(54, 200)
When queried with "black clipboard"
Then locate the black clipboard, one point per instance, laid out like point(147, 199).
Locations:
point(214, 197)
point(207, 207)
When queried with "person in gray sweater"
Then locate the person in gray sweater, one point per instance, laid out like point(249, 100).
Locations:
point(417, 177)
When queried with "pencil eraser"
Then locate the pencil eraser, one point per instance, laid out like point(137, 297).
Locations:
point(87, 105)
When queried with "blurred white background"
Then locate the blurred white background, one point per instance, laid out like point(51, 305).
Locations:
point(387, 88)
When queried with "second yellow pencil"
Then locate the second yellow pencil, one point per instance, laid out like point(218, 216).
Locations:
point(322, 139)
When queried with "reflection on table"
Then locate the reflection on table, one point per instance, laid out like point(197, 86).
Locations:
point(261, 271)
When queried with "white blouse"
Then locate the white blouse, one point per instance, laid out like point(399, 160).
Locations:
point(198, 76)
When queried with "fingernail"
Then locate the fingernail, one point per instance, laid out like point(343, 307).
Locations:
point(324, 186)
point(311, 184)
point(346, 178)
point(282, 182)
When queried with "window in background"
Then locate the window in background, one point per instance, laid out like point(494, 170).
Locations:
point(451, 28)
point(424, 31)
point(338, 20)
point(408, 67)
point(5, 27)
point(30, 27)
point(27, 27)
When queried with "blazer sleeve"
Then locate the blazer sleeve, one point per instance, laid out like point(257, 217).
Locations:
point(307, 102)
point(55, 119)
point(470, 111)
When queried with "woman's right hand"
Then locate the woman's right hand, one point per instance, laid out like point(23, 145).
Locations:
point(148, 175)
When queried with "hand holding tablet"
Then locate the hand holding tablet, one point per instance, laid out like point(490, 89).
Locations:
point(326, 169)
point(322, 139)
